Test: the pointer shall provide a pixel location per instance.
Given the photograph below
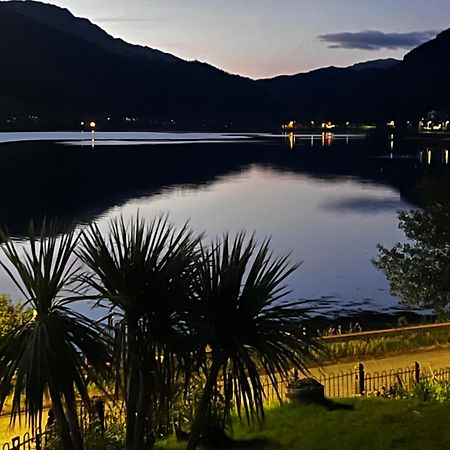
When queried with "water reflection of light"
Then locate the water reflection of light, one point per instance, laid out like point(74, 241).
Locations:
point(446, 156)
point(312, 141)
point(93, 142)
point(327, 139)
point(391, 142)
point(429, 156)
point(291, 138)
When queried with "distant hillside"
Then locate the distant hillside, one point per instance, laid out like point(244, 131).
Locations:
point(375, 91)
point(63, 20)
point(54, 62)
point(423, 77)
point(61, 66)
point(375, 64)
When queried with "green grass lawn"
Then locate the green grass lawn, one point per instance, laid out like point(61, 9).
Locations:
point(381, 424)
point(373, 424)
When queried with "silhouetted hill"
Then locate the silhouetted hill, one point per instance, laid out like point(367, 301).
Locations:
point(386, 63)
point(63, 20)
point(57, 65)
point(424, 75)
point(405, 90)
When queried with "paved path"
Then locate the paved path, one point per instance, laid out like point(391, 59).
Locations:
point(7, 432)
point(436, 358)
point(341, 380)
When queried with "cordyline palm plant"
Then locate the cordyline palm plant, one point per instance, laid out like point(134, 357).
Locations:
point(57, 349)
point(239, 313)
point(144, 273)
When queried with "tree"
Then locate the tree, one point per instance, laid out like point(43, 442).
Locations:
point(56, 347)
point(144, 273)
point(239, 312)
point(11, 316)
point(419, 270)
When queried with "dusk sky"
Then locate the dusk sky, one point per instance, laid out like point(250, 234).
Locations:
point(261, 38)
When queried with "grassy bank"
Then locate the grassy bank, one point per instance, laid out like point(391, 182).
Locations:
point(373, 424)
point(379, 347)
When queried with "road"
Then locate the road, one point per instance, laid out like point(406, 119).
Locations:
point(435, 358)
point(7, 432)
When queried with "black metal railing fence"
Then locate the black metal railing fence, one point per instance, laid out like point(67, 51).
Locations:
point(344, 384)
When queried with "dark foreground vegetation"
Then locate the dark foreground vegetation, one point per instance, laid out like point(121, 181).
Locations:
point(186, 330)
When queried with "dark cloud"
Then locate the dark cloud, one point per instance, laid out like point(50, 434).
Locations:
point(377, 40)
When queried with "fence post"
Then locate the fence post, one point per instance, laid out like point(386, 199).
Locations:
point(38, 439)
point(100, 412)
point(16, 443)
point(417, 371)
point(362, 378)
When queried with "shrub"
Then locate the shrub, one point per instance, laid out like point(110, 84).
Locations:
point(424, 391)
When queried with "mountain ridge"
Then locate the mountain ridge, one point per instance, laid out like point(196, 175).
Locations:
point(63, 20)
point(64, 66)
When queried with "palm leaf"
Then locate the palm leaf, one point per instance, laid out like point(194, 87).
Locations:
point(239, 312)
point(57, 347)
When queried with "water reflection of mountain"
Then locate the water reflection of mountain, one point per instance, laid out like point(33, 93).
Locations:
point(76, 184)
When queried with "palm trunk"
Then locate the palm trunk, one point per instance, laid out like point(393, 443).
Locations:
point(61, 422)
point(204, 403)
point(145, 425)
point(139, 424)
point(132, 384)
point(74, 424)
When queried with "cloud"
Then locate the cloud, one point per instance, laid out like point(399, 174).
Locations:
point(377, 40)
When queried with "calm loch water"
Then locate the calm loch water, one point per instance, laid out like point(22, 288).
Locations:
point(329, 200)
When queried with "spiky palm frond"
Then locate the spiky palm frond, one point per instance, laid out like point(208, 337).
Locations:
point(54, 351)
point(144, 273)
point(140, 269)
point(57, 346)
point(240, 313)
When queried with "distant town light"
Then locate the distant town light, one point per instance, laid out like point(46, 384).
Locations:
point(328, 125)
point(290, 125)
point(92, 124)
